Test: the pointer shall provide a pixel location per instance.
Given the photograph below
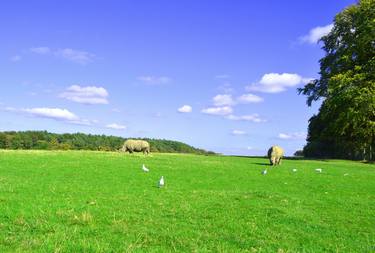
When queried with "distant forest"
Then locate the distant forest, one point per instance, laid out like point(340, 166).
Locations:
point(78, 141)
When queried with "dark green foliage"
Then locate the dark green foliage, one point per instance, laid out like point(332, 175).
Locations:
point(345, 124)
point(298, 153)
point(79, 141)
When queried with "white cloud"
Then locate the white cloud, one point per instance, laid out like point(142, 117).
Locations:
point(292, 136)
point(185, 109)
point(76, 56)
point(15, 58)
point(238, 132)
point(252, 117)
point(316, 34)
point(153, 80)
point(116, 126)
point(86, 95)
point(224, 110)
point(52, 113)
point(223, 100)
point(274, 82)
point(249, 98)
point(227, 99)
point(41, 50)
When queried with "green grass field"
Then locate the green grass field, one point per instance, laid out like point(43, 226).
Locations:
point(103, 202)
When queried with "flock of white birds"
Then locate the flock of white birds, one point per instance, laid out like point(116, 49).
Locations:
point(318, 170)
point(264, 172)
point(161, 180)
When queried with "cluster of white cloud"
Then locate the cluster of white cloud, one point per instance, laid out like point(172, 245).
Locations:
point(316, 34)
point(86, 95)
point(275, 82)
point(77, 56)
point(292, 136)
point(154, 80)
point(223, 106)
point(228, 100)
point(76, 93)
point(61, 114)
point(185, 109)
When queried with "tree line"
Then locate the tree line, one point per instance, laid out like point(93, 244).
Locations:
point(344, 127)
point(44, 140)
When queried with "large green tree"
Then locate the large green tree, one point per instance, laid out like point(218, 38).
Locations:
point(345, 124)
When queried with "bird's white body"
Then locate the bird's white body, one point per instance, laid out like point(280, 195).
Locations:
point(144, 168)
point(264, 172)
point(161, 182)
point(318, 170)
point(294, 170)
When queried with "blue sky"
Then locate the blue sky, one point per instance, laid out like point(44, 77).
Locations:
point(220, 75)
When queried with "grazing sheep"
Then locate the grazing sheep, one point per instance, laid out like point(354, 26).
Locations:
point(275, 153)
point(136, 146)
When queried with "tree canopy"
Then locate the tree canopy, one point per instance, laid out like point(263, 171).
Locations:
point(345, 124)
point(79, 141)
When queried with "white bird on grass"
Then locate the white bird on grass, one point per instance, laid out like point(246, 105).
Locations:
point(264, 172)
point(318, 170)
point(294, 170)
point(144, 168)
point(161, 182)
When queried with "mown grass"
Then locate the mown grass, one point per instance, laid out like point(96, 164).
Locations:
point(103, 202)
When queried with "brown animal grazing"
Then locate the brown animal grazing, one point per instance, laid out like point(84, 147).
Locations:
point(275, 153)
point(136, 146)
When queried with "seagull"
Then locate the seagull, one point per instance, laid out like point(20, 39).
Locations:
point(264, 172)
point(318, 170)
point(294, 170)
point(144, 168)
point(161, 182)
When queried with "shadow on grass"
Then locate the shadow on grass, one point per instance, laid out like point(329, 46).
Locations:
point(293, 158)
point(368, 162)
point(263, 164)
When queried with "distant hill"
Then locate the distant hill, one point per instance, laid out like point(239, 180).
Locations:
point(78, 141)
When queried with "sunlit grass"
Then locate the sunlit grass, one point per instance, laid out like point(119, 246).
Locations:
point(103, 202)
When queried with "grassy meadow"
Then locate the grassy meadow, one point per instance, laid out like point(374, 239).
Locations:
point(81, 201)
